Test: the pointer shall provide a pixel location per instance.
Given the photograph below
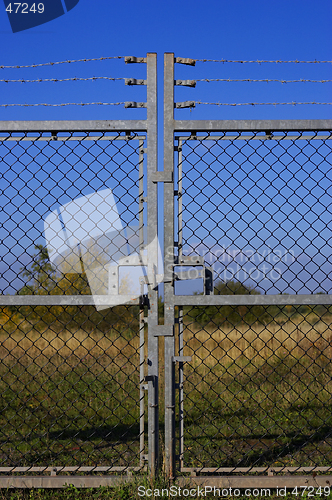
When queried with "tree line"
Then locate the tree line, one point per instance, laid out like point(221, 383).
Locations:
point(42, 279)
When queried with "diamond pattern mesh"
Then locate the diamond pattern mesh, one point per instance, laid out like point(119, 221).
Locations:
point(70, 375)
point(257, 392)
point(259, 208)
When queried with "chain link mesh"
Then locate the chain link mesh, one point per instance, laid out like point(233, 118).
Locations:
point(70, 374)
point(257, 392)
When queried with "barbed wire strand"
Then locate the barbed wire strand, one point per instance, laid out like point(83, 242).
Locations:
point(296, 61)
point(294, 103)
point(65, 104)
point(93, 78)
point(54, 80)
point(266, 80)
point(62, 62)
point(69, 61)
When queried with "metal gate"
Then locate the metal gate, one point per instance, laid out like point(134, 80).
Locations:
point(247, 372)
point(245, 392)
point(74, 370)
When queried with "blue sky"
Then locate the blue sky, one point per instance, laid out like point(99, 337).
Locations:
point(238, 30)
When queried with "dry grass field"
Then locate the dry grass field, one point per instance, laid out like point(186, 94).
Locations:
point(258, 342)
point(254, 395)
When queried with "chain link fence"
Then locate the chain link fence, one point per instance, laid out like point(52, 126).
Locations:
point(256, 395)
point(232, 354)
point(70, 374)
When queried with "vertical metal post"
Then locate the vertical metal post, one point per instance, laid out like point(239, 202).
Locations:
point(180, 208)
point(141, 312)
point(169, 264)
point(141, 385)
point(181, 393)
point(181, 343)
point(152, 257)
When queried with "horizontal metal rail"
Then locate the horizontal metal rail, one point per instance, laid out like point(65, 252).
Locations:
point(266, 137)
point(80, 468)
point(73, 125)
point(64, 300)
point(62, 481)
point(252, 300)
point(247, 125)
point(39, 138)
point(257, 482)
point(237, 470)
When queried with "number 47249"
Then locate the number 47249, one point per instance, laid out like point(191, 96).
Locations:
point(23, 8)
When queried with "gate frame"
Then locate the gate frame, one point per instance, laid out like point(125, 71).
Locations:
point(171, 126)
point(149, 128)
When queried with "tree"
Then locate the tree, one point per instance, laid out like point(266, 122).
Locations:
point(42, 279)
point(41, 276)
point(220, 315)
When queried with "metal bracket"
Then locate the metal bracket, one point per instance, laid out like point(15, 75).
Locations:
point(162, 176)
point(185, 83)
point(133, 104)
point(185, 60)
point(133, 260)
point(134, 81)
point(181, 359)
point(189, 260)
point(163, 331)
point(132, 59)
point(185, 104)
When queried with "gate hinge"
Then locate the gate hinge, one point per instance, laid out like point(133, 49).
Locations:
point(185, 60)
point(134, 81)
point(162, 176)
point(185, 83)
point(132, 59)
point(133, 104)
point(185, 104)
point(181, 359)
